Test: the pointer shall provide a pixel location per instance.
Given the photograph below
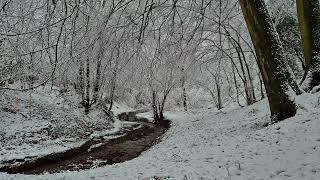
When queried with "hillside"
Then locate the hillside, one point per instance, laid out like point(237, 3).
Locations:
point(228, 144)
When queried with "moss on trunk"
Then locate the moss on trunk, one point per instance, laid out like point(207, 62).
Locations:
point(309, 25)
point(270, 58)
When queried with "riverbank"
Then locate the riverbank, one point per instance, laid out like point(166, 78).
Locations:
point(126, 144)
point(226, 144)
point(47, 121)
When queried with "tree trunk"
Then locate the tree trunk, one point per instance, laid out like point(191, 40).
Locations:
point(270, 59)
point(219, 99)
point(247, 79)
point(248, 91)
point(81, 82)
point(261, 86)
point(250, 79)
point(236, 85)
point(158, 107)
point(113, 88)
point(309, 25)
point(155, 107)
point(87, 98)
point(97, 83)
point(184, 94)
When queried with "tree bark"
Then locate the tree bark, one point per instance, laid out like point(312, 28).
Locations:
point(261, 86)
point(184, 94)
point(247, 78)
point(155, 107)
point(236, 85)
point(97, 85)
point(81, 81)
point(112, 91)
point(219, 99)
point(270, 59)
point(309, 25)
point(158, 106)
point(87, 98)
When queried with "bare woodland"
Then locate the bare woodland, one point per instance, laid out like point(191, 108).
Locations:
point(155, 51)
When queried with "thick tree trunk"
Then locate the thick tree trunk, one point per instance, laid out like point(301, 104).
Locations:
point(270, 59)
point(309, 24)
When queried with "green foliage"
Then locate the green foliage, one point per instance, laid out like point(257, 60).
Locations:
point(288, 31)
point(284, 17)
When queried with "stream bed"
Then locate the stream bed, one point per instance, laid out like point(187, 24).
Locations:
point(127, 144)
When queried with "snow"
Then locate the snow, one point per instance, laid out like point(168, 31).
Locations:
point(147, 115)
point(227, 144)
point(46, 121)
point(119, 108)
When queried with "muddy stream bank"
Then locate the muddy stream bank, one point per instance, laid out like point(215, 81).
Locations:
point(127, 144)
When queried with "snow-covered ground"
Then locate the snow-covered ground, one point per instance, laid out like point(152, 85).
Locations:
point(227, 144)
point(45, 121)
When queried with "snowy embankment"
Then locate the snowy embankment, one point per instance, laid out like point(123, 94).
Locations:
point(229, 144)
point(47, 121)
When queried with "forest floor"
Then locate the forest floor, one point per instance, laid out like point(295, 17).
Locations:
point(227, 144)
point(46, 121)
point(128, 143)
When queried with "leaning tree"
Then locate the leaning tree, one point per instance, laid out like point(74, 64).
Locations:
point(277, 77)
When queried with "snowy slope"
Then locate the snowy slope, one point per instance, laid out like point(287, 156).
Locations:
point(45, 121)
point(229, 144)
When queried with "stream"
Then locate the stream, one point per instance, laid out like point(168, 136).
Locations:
point(129, 143)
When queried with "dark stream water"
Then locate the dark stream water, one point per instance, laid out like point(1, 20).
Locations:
point(129, 143)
